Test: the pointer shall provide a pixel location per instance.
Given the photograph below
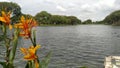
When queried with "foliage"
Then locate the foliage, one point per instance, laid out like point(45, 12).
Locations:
point(74, 20)
point(9, 6)
point(12, 7)
point(43, 17)
point(22, 29)
point(46, 18)
point(113, 18)
point(89, 21)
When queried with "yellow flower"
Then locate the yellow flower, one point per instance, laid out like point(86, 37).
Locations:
point(26, 25)
point(36, 64)
point(30, 54)
point(5, 18)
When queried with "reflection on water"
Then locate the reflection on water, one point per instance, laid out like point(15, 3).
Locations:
point(75, 46)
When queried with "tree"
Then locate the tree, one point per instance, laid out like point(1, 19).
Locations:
point(89, 21)
point(43, 17)
point(74, 20)
point(12, 7)
point(46, 18)
point(57, 19)
point(113, 18)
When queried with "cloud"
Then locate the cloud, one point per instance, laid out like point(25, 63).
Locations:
point(60, 8)
point(4, 0)
point(83, 9)
point(106, 3)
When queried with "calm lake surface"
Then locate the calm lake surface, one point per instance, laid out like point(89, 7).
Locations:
point(76, 46)
point(81, 45)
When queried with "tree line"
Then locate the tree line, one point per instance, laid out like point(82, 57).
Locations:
point(113, 18)
point(42, 17)
point(46, 18)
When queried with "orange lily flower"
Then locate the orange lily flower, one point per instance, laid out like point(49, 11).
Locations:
point(5, 18)
point(30, 54)
point(26, 25)
point(33, 23)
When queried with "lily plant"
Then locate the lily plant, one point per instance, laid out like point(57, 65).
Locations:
point(22, 29)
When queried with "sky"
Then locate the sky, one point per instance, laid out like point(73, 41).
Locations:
point(82, 9)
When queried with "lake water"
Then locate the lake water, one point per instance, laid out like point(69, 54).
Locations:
point(76, 46)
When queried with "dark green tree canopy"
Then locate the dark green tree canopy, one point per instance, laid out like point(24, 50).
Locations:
point(10, 6)
point(89, 21)
point(47, 18)
point(14, 8)
point(43, 17)
point(113, 18)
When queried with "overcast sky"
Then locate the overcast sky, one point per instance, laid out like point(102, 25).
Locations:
point(83, 9)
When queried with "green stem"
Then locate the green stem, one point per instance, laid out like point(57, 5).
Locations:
point(34, 44)
point(33, 38)
point(15, 43)
point(7, 49)
point(6, 43)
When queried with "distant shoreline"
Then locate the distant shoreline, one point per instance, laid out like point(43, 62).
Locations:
point(77, 24)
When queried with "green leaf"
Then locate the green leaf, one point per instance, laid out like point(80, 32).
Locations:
point(3, 64)
point(29, 65)
point(34, 36)
point(44, 63)
point(4, 29)
point(10, 65)
point(1, 37)
point(15, 43)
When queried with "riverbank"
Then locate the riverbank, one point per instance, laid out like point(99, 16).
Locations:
point(45, 25)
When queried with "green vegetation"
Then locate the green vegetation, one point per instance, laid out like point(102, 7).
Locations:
point(45, 18)
point(13, 7)
point(10, 42)
point(87, 22)
point(113, 18)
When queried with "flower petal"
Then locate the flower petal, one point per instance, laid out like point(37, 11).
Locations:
point(31, 51)
point(22, 19)
point(19, 25)
point(37, 47)
point(10, 26)
point(23, 50)
point(36, 64)
point(2, 19)
point(3, 14)
point(5, 18)
point(30, 57)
